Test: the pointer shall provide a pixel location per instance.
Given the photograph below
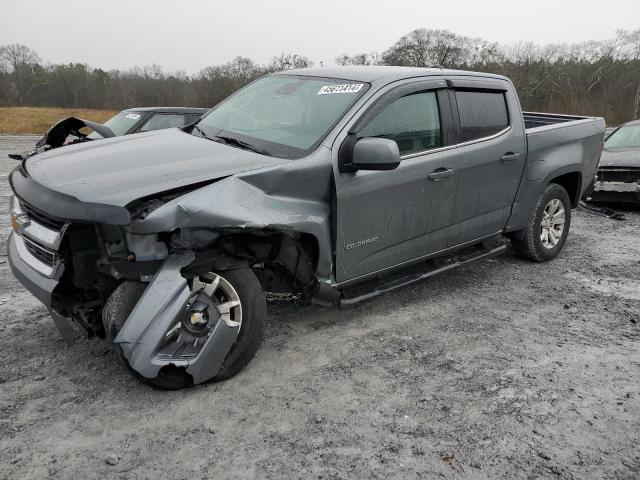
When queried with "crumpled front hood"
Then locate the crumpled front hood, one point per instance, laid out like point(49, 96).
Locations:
point(627, 157)
point(118, 170)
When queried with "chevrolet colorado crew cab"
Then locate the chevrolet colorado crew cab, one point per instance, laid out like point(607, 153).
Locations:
point(333, 184)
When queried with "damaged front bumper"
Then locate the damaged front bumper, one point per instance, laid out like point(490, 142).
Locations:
point(36, 259)
point(31, 250)
point(161, 306)
point(605, 191)
point(24, 267)
point(617, 184)
point(33, 259)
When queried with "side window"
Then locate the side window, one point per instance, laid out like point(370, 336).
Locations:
point(413, 122)
point(163, 120)
point(481, 113)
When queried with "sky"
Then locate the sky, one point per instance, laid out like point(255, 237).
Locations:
point(190, 34)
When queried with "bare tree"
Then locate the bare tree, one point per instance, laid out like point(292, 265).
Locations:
point(358, 59)
point(22, 62)
point(424, 47)
point(288, 61)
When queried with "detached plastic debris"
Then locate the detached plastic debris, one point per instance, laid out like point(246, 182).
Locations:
point(602, 210)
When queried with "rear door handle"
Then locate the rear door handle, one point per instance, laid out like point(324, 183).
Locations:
point(509, 157)
point(441, 173)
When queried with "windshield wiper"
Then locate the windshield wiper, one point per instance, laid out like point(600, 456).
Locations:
point(242, 144)
point(232, 141)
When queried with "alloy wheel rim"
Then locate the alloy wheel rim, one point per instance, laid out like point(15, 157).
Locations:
point(552, 224)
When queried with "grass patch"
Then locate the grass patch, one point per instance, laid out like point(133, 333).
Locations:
point(24, 120)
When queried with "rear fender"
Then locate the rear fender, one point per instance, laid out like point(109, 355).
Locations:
point(557, 152)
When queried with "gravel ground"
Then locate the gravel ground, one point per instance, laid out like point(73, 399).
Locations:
point(502, 369)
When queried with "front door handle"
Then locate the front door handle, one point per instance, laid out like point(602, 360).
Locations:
point(509, 157)
point(440, 173)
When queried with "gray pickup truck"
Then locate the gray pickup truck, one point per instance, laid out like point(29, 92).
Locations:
point(332, 184)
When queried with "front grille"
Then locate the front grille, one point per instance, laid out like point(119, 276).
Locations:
point(619, 174)
point(42, 218)
point(42, 254)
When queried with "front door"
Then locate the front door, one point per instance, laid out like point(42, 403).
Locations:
point(387, 218)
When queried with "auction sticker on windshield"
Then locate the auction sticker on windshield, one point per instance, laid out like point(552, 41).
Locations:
point(342, 88)
point(133, 116)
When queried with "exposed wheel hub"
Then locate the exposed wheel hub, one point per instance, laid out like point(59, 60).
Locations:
point(213, 299)
point(201, 316)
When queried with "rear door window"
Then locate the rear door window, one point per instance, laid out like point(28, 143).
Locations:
point(164, 120)
point(413, 122)
point(482, 113)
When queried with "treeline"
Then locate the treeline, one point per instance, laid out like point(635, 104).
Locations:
point(590, 78)
point(599, 78)
point(26, 81)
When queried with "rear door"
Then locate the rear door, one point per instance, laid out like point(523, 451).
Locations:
point(387, 218)
point(492, 148)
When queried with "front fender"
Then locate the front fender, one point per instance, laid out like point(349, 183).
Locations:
point(293, 197)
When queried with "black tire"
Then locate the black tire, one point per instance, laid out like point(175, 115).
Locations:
point(254, 314)
point(116, 310)
point(119, 305)
point(528, 243)
point(254, 319)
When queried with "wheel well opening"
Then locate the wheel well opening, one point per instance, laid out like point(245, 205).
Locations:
point(572, 183)
point(285, 262)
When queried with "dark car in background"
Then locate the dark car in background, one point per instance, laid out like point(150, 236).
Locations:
point(618, 177)
point(133, 120)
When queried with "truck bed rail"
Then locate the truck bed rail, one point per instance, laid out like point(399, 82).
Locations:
point(536, 119)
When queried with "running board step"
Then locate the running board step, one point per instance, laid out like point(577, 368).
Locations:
point(369, 289)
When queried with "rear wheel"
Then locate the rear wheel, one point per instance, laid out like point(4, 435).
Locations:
point(548, 226)
point(238, 296)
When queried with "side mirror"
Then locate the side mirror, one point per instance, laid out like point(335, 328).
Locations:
point(374, 153)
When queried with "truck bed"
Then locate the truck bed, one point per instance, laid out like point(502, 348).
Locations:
point(536, 119)
point(569, 140)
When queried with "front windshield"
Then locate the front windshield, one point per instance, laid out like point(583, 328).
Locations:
point(282, 115)
point(626, 136)
point(119, 124)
